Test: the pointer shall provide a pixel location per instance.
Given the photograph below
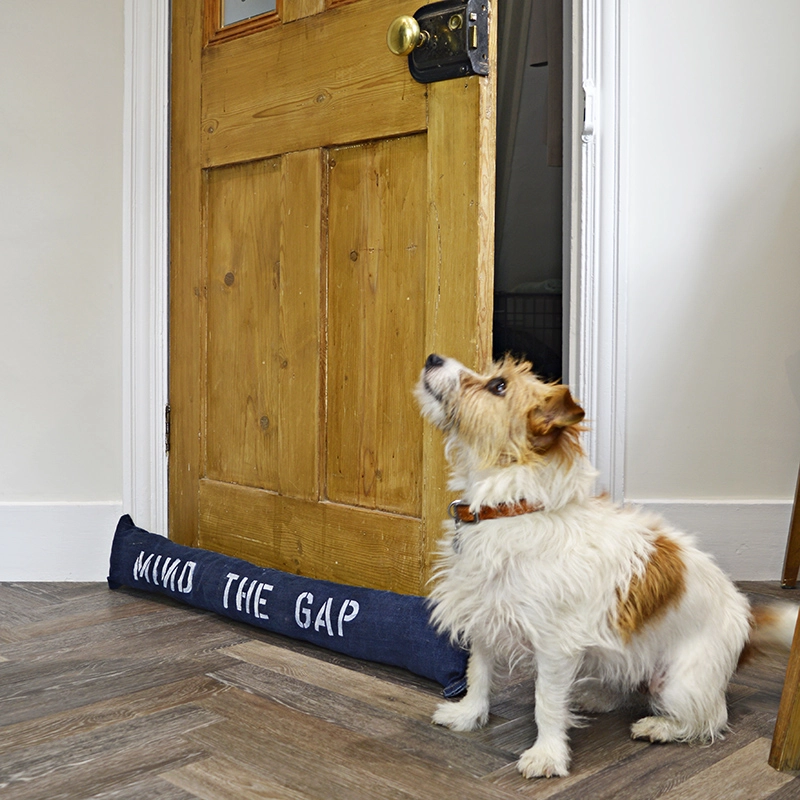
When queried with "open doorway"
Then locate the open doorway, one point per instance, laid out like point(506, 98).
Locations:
point(529, 245)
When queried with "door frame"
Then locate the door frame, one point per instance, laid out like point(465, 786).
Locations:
point(145, 262)
point(596, 232)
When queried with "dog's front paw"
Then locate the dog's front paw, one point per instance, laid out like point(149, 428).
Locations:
point(655, 729)
point(544, 761)
point(461, 716)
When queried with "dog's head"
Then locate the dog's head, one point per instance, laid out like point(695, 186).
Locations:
point(506, 416)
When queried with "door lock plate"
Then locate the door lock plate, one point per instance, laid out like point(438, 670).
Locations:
point(456, 44)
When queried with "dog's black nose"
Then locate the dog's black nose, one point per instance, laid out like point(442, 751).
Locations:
point(433, 361)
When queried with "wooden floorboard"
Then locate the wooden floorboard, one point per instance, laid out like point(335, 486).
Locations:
point(125, 695)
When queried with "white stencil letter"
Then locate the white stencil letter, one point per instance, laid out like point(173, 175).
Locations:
point(168, 572)
point(345, 617)
point(324, 617)
point(141, 567)
point(232, 576)
point(305, 622)
point(259, 601)
point(185, 580)
point(240, 593)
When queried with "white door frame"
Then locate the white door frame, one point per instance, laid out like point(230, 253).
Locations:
point(597, 244)
point(145, 285)
point(598, 268)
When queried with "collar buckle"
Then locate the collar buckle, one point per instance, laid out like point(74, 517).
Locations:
point(454, 511)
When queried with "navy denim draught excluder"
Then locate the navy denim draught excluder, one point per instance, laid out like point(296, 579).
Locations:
point(369, 624)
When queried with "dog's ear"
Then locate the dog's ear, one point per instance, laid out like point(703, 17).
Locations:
point(559, 409)
point(547, 419)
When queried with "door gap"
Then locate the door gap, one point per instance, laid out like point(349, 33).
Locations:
point(530, 259)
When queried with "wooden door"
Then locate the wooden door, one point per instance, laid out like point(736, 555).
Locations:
point(332, 222)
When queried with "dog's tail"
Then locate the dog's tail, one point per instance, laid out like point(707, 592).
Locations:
point(771, 628)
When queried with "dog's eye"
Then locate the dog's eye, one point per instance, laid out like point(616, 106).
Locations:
point(497, 386)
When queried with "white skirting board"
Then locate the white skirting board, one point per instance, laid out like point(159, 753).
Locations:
point(72, 541)
point(747, 538)
point(56, 541)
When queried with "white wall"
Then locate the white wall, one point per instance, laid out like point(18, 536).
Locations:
point(713, 415)
point(61, 84)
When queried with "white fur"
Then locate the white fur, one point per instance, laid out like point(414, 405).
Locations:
point(542, 589)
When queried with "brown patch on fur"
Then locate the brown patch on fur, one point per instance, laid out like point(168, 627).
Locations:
point(760, 617)
point(652, 593)
point(554, 421)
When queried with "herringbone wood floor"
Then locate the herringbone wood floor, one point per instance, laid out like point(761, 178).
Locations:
point(122, 695)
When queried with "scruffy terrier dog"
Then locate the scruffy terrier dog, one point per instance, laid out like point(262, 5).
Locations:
point(605, 602)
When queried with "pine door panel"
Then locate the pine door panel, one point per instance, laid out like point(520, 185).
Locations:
point(243, 301)
point(376, 280)
point(262, 382)
point(326, 78)
point(338, 543)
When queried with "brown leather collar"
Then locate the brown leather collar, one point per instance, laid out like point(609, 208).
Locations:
point(460, 511)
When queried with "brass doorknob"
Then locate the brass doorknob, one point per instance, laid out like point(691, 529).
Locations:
point(404, 35)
